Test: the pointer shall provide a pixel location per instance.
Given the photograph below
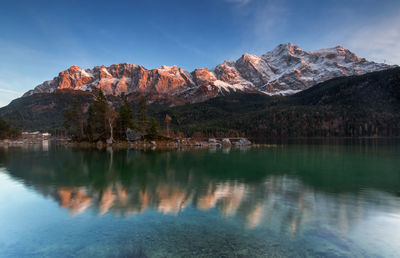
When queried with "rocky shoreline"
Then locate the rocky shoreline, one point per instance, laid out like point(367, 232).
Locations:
point(21, 142)
point(173, 143)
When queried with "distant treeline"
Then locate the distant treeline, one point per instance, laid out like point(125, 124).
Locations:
point(290, 121)
point(7, 131)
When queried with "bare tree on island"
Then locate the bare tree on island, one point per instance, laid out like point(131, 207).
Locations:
point(111, 116)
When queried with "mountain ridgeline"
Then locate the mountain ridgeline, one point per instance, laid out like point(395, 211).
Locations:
point(350, 106)
point(287, 69)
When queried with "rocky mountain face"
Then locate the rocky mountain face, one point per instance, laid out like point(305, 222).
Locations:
point(285, 70)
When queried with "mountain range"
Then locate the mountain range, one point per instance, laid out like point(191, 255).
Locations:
point(285, 70)
point(286, 92)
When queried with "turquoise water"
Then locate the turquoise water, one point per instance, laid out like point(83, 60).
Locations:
point(291, 200)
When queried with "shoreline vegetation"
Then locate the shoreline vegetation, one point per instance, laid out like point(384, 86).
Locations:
point(7, 131)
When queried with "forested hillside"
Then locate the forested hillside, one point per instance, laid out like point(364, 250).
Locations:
point(366, 105)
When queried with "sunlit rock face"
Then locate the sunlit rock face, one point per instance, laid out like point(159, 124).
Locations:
point(227, 72)
point(204, 77)
point(168, 79)
point(286, 69)
point(254, 69)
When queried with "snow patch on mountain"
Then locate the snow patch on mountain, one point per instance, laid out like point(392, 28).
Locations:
point(282, 92)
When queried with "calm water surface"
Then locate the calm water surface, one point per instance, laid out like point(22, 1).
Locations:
point(337, 200)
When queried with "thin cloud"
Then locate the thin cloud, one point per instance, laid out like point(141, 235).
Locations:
point(263, 22)
point(10, 91)
point(379, 42)
point(177, 41)
point(6, 96)
point(238, 2)
point(270, 16)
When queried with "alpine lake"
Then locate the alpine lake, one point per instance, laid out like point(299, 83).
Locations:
point(291, 199)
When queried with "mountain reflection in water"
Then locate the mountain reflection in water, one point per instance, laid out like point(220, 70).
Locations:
point(279, 187)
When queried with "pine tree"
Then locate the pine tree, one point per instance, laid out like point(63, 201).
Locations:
point(153, 129)
point(126, 119)
point(97, 124)
point(142, 115)
point(75, 121)
point(167, 123)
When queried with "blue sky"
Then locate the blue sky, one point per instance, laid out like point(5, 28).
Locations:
point(41, 38)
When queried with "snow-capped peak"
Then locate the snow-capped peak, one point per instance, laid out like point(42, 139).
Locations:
point(286, 69)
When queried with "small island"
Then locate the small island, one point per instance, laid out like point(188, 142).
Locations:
point(105, 124)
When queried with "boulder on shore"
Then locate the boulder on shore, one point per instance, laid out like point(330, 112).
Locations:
point(133, 135)
point(212, 140)
point(242, 142)
point(99, 144)
point(226, 142)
